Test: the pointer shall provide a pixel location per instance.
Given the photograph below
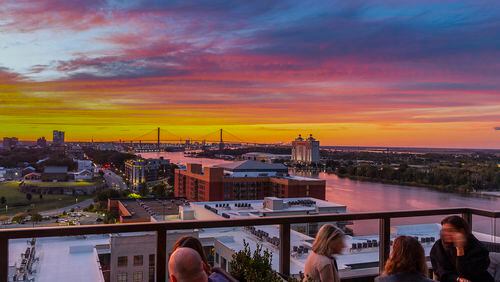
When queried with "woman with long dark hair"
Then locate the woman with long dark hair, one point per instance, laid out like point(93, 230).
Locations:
point(458, 256)
point(406, 262)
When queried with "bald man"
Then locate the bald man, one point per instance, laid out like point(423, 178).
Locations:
point(185, 265)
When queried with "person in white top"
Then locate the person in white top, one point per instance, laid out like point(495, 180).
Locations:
point(321, 265)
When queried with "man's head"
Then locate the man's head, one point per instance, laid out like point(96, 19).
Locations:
point(185, 264)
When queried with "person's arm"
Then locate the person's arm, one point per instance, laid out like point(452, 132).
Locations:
point(326, 273)
point(441, 266)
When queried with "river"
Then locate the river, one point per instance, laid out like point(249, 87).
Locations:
point(361, 196)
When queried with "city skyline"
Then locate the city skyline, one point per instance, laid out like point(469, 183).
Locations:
point(419, 73)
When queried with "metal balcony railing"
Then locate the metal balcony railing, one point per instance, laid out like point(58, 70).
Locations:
point(284, 223)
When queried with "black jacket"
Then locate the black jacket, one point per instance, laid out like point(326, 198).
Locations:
point(403, 277)
point(472, 266)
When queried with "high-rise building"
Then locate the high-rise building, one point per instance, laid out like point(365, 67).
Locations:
point(305, 150)
point(58, 137)
point(10, 143)
point(142, 171)
point(244, 180)
point(41, 142)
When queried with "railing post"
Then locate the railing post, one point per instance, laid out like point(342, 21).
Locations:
point(384, 241)
point(285, 249)
point(4, 259)
point(161, 255)
point(467, 216)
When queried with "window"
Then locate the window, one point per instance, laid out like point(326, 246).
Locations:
point(138, 260)
point(122, 262)
point(122, 277)
point(152, 268)
point(152, 260)
point(224, 263)
point(216, 257)
point(137, 276)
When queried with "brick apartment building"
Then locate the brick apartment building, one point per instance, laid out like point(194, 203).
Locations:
point(244, 180)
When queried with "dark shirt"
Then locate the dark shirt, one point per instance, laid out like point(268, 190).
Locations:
point(473, 265)
point(403, 277)
point(220, 275)
point(217, 277)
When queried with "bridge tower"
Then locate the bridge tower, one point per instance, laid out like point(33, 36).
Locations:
point(221, 142)
point(158, 140)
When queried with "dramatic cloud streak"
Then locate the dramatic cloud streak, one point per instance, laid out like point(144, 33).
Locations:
point(419, 73)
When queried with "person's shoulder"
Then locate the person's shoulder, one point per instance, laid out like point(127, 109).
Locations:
point(220, 275)
point(322, 259)
point(217, 277)
point(477, 245)
point(437, 246)
point(384, 278)
point(403, 277)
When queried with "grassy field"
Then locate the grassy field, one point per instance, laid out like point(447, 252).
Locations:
point(17, 201)
point(60, 184)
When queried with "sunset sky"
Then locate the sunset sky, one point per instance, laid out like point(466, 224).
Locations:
point(382, 73)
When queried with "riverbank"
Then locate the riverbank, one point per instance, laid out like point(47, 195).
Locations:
point(439, 188)
point(456, 190)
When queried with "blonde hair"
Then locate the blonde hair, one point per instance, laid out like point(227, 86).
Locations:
point(325, 235)
point(407, 256)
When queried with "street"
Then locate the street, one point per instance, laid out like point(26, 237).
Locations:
point(114, 181)
point(79, 205)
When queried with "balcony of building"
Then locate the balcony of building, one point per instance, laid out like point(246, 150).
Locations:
point(290, 251)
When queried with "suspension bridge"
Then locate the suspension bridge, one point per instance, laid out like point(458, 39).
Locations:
point(158, 139)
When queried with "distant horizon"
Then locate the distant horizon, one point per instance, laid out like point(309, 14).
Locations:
point(392, 73)
point(284, 143)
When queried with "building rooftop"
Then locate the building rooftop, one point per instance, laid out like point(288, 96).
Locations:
point(249, 165)
point(55, 169)
point(159, 209)
point(301, 178)
point(62, 258)
point(270, 206)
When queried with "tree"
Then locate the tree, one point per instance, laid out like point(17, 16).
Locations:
point(110, 218)
point(342, 170)
point(90, 208)
point(171, 174)
point(134, 196)
point(3, 200)
point(160, 190)
point(143, 189)
point(36, 217)
point(19, 217)
point(29, 196)
point(246, 266)
point(106, 194)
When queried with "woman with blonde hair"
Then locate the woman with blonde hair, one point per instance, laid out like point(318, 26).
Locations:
point(406, 262)
point(321, 265)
